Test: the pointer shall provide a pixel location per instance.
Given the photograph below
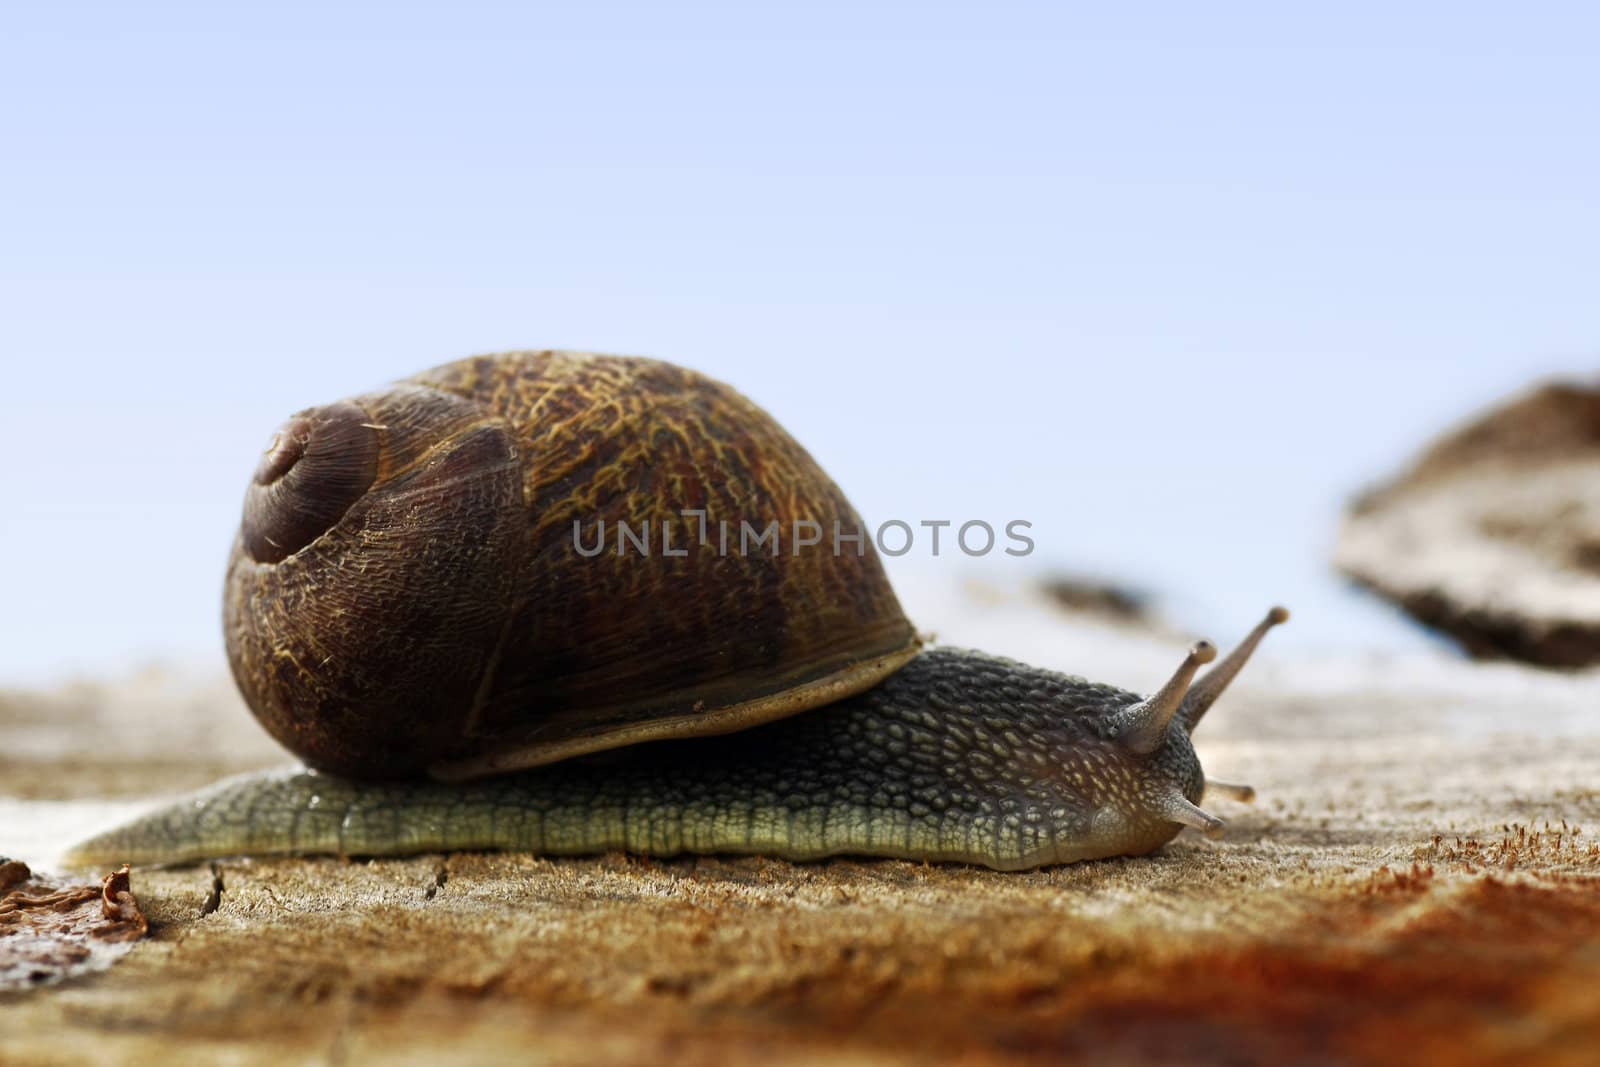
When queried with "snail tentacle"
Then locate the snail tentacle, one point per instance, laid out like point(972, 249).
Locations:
point(1238, 791)
point(1206, 691)
point(1144, 726)
point(1180, 809)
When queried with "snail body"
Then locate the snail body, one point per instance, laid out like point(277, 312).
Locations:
point(404, 612)
point(957, 757)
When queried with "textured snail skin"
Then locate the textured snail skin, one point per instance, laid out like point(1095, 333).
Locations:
point(960, 756)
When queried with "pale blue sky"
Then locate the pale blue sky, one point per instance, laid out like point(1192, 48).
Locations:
point(1167, 280)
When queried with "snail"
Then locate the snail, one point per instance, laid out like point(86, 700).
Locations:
point(410, 609)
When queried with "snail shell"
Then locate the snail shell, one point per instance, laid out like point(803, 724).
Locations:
point(405, 594)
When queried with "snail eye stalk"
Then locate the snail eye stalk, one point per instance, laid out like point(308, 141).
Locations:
point(1208, 689)
point(1143, 726)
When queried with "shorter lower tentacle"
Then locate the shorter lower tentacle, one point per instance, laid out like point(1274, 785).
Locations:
point(1231, 790)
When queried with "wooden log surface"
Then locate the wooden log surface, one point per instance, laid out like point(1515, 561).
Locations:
point(1419, 881)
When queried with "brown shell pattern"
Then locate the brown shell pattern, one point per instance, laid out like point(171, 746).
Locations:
point(445, 620)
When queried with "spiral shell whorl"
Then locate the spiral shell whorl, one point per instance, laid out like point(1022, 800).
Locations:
point(317, 466)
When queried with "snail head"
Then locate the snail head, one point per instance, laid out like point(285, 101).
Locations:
point(1156, 730)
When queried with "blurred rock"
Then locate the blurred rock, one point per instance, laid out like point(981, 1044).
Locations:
point(1493, 534)
point(1092, 596)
